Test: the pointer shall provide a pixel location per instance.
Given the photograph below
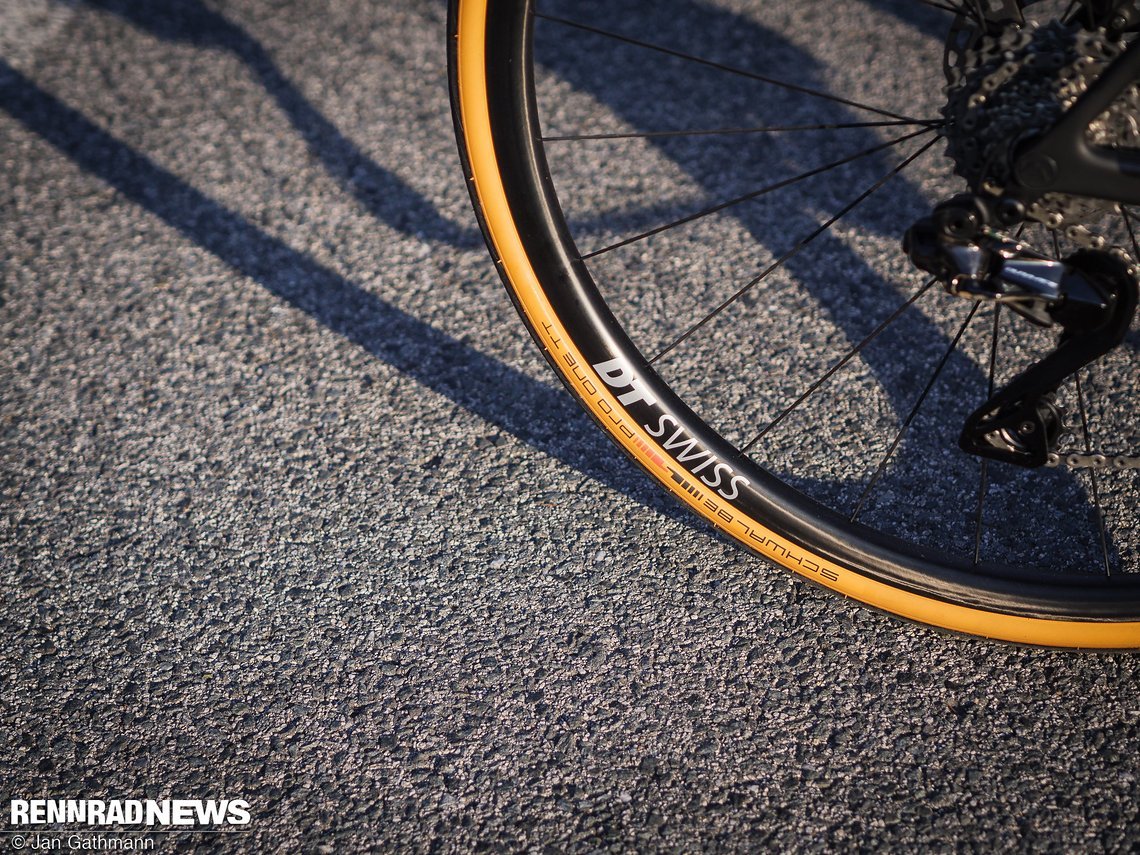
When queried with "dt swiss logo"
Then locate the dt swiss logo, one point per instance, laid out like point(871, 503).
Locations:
point(684, 449)
point(617, 374)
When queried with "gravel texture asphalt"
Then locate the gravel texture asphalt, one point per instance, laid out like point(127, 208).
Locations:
point(293, 512)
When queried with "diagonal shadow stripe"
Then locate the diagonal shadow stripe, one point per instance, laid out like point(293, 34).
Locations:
point(543, 418)
point(379, 190)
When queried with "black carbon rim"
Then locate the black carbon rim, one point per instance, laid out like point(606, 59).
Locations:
point(578, 302)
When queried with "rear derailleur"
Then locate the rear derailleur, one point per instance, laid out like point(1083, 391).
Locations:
point(1091, 295)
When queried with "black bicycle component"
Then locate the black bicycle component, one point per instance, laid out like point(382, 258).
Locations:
point(1116, 16)
point(1091, 295)
point(1022, 434)
point(998, 12)
point(1090, 170)
point(959, 244)
point(1021, 424)
point(1040, 122)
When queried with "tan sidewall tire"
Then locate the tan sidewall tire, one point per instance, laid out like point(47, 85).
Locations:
point(474, 123)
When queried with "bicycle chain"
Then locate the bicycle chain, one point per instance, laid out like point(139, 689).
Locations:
point(1088, 459)
point(1017, 84)
point(997, 100)
point(1093, 460)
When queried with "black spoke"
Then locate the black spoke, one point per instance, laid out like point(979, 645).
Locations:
point(913, 412)
point(1087, 434)
point(1131, 234)
point(983, 482)
point(974, 10)
point(983, 478)
point(792, 252)
point(765, 129)
point(945, 7)
point(847, 357)
point(763, 78)
point(755, 194)
point(1092, 477)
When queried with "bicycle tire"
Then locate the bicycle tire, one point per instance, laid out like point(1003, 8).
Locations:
point(491, 77)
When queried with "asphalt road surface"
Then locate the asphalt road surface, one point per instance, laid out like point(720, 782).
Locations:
point(293, 513)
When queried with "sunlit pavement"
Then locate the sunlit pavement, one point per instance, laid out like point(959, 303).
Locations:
point(292, 513)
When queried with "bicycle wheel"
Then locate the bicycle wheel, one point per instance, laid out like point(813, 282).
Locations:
point(826, 449)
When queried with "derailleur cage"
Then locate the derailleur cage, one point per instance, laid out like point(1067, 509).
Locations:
point(1091, 295)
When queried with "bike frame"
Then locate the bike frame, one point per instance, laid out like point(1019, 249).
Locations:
point(1063, 161)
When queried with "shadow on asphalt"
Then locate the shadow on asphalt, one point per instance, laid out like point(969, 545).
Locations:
point(381, 192)
point(500, 395)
